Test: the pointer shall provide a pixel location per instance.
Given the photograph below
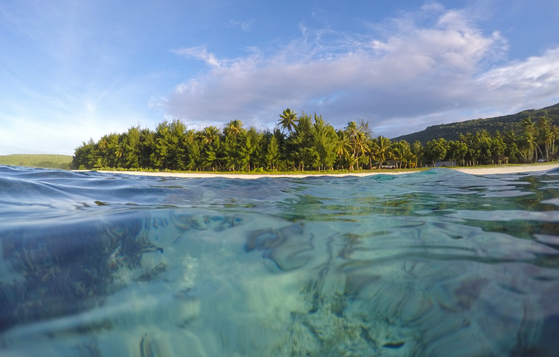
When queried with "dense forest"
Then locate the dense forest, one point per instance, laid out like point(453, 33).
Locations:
point(305, 143)
point(503, 124)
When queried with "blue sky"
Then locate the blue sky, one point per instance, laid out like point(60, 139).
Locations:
point(80, 69)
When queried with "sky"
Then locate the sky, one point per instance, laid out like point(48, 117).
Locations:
point(75, 70)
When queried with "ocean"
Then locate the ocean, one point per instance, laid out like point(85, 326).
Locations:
point(434, 263)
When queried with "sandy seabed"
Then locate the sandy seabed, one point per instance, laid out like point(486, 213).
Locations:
point(472, 171)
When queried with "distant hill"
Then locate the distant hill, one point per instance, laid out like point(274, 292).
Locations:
point(37, 160)
point(503, 124)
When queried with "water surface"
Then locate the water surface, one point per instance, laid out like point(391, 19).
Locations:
point(434, 263)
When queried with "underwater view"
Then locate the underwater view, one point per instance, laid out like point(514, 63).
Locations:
point(433, 263)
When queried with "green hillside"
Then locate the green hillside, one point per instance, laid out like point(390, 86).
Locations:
point(37, 160)
point(503, 124)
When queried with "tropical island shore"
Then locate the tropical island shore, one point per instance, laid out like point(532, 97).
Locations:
point(473, 171)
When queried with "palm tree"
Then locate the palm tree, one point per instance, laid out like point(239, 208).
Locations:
point(360, 144)
point(372, 152)
point(546, 134)
point(351, 129)
point(288, 119)
point(103, 143)
point(402, 153)
point(510, 137)
point(210, 135)
point(360, 147)
point(234, 127)
point(119, 151)
point(529, 145)
point(358, 141)
point(384, 146)
point(529, 129)
point(99, 163)
point(555, 131)
point(417, 151)
point(342, 145)
point(397, 154)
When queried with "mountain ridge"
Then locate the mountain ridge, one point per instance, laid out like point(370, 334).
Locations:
point(502, 123)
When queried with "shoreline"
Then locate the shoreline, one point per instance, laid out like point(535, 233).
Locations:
point(472, 171)
point(507, 169)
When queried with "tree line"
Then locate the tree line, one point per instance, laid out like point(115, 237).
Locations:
point(303, 142)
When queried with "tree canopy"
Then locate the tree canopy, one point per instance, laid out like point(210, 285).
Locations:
point(306, 143)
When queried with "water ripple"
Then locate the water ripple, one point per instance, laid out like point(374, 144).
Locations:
point(433, 263)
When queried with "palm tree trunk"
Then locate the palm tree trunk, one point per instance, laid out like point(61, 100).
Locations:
point(540, 150)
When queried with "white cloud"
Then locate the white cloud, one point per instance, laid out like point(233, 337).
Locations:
point(420, 75)
point(531, 81)
point(244, 25)
point(199, 52)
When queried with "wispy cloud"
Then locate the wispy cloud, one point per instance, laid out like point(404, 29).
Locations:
point(199, 52)
point(243, 25)
point(525, 82)
point(411, 72)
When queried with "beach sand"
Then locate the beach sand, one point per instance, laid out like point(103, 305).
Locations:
point(507, 169)
point(472, 171)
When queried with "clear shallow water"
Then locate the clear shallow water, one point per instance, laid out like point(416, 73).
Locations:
point(436, 263)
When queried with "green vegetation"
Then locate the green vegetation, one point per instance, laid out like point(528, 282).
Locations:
point(306, 143)
point(280, 173)
point(42, 161)
point(503, 124)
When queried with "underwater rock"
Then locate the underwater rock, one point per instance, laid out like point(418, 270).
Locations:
point(150, 347)
point(263, 240)
point(67, 268)
point(394, 344)
point(287, 247)
point(217, 223)
point(152, 273)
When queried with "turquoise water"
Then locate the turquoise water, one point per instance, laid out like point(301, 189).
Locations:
point(437, 263)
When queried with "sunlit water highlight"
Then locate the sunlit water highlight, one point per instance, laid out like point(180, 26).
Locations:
point(436, 263)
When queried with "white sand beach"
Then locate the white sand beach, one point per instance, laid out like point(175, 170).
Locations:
point(508, 169)
point(472, 171)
